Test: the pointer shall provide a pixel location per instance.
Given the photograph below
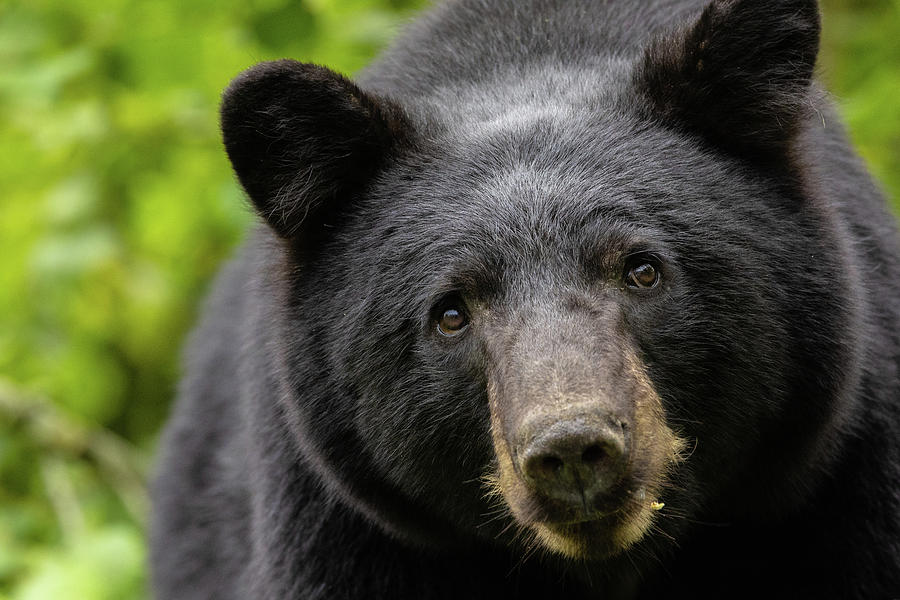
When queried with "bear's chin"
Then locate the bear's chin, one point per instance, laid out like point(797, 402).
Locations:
point(596, 539)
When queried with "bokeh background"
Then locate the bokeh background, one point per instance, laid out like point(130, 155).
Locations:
point(117, 206)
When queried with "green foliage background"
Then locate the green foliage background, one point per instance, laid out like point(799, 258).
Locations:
point(117, 206)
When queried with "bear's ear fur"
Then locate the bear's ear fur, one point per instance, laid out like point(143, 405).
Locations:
point(301, 137)
point(739, 75)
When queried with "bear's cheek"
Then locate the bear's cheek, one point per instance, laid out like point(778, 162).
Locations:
point(440, 428)
point(588, 520)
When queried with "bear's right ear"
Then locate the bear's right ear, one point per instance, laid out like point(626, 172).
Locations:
point(301, 137)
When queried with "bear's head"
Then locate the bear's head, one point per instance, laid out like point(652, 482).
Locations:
point(572, 305)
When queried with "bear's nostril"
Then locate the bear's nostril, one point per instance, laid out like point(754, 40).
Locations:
point(551, 465)
point(593, 454)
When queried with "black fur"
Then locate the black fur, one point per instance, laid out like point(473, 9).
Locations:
point(328, 442)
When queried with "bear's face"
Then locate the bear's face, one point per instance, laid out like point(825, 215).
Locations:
point(544, 320)
point(498, 293)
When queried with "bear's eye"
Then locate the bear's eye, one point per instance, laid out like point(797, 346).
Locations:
point(452, 321)
point(643, 276)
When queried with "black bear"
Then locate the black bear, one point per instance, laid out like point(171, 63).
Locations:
point(560, 299)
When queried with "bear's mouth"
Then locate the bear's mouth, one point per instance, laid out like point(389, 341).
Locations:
point(589, 535)
point(597, 536)
point(593, 532)
point(590, 529)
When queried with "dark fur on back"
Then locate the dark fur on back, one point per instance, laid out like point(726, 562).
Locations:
point(327, 443)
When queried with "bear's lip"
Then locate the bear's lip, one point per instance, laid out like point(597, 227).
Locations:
point(541, 509)
point(590, 533)
point(593, 517)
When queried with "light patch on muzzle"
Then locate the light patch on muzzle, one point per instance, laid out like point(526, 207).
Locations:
point(655, 451)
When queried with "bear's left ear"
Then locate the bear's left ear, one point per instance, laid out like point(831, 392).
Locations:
point(739, 75)
point(301, 138)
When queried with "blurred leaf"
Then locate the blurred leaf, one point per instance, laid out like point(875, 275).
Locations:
point(103, 564)
point(284, 24)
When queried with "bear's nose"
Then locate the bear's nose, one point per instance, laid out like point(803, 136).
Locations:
point(576, 460)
